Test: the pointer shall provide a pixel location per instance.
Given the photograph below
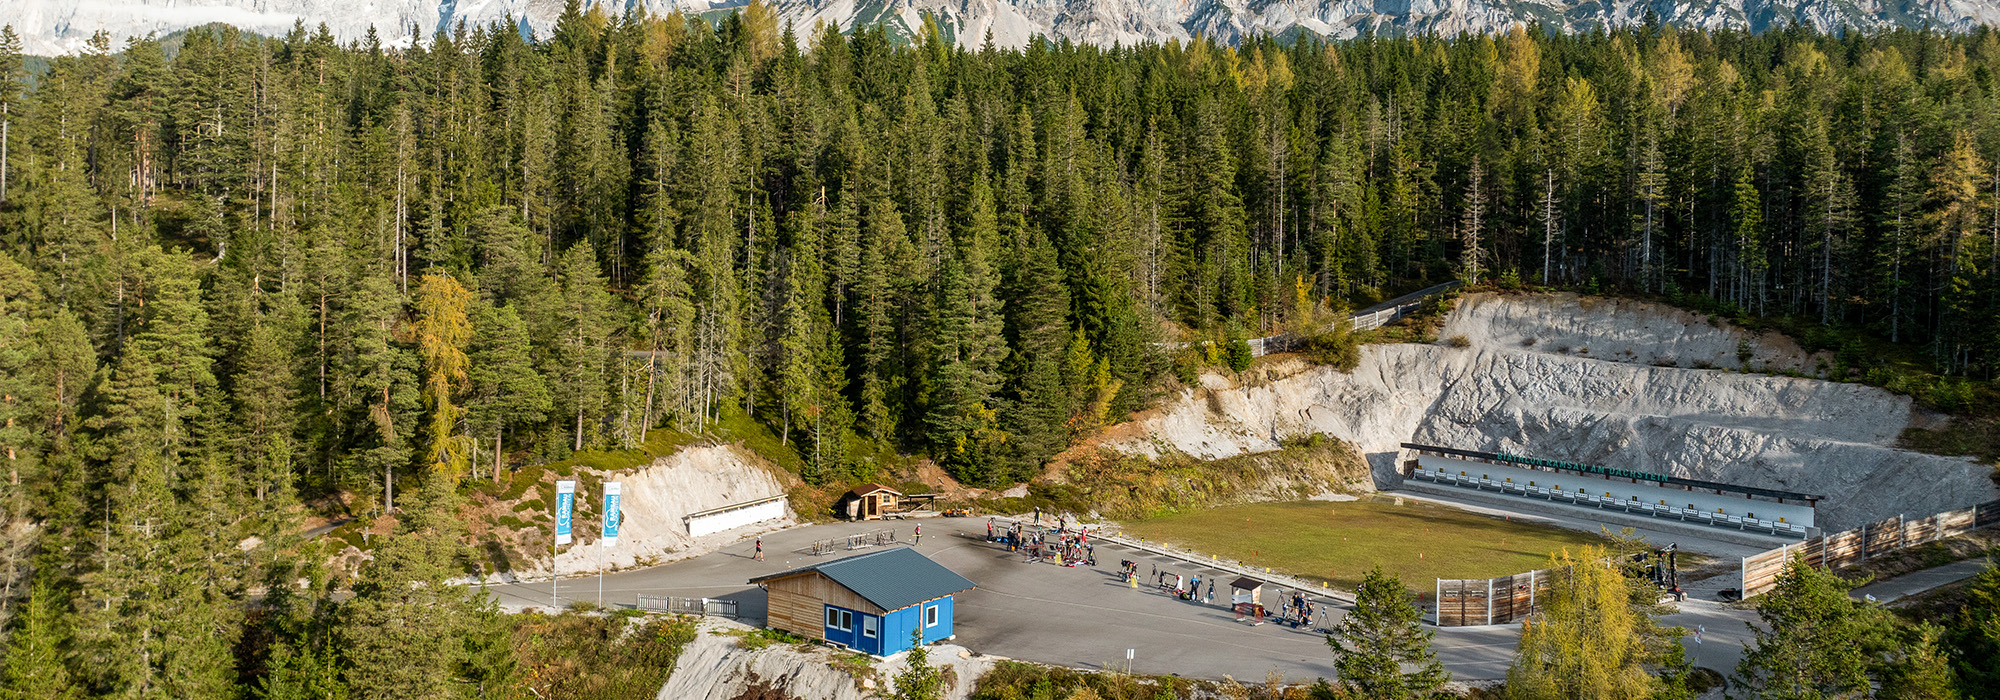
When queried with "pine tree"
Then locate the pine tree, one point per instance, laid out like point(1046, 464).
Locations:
point(1381, 638)
point(1814, 641)
point(579, 369)
point(24, 398)
point(378, 382)
point(34, 668)
point(507, 391)
point(401, 635)
point(1974, 637)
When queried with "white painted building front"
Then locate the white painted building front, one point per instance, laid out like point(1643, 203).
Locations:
point(1652, 497)
point(735, 516)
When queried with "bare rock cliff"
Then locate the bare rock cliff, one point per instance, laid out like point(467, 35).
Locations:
point(1546, 398)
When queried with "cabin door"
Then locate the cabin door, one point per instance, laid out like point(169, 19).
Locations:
point(871, 506)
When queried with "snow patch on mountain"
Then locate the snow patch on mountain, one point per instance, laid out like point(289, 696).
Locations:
point(64, 26)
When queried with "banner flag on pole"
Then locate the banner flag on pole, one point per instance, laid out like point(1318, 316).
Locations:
point(565, 501)
point(612, 517)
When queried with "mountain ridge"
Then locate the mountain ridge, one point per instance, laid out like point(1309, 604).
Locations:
point(65, 26)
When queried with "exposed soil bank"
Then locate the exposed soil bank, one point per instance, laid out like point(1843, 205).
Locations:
point(1528, 380)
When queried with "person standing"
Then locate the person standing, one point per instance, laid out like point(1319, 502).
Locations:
point(989, 529)
point(919, 535)
point(759, 556)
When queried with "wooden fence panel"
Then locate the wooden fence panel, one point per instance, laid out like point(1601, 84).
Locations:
point(1986, 514)
point(1495, 601)
point(1957, 522)
point(1834, 550)
point(1882, 536)
point(1920, 530)
point(1841, 548)
point(1461, 602)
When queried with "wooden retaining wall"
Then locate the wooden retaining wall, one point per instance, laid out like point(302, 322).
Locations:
point(1835, 550)
point(1489, 601)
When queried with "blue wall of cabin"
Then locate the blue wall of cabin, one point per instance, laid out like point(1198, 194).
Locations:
point(895, 628)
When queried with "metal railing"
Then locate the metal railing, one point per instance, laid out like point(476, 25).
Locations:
point(1370, 318)
point(687, 606)
point(859, 540)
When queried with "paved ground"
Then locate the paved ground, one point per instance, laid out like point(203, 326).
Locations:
point(1085, 617)
point(1919, 581)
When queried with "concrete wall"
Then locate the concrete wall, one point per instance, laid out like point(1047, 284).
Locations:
point(731, 519)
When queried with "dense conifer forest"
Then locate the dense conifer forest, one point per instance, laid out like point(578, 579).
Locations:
point(240, 274)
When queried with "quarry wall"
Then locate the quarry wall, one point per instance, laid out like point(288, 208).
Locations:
point(1599, 382)
point(657, 499)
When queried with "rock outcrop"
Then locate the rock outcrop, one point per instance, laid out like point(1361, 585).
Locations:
point(658, 497)
point(716, 666)
point(1546, 398)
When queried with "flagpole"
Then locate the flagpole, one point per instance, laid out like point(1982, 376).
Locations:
point(608, 532)
point(565, 500)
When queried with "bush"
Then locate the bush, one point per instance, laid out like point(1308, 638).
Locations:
point(1335, 348)
point(1237, 353)
point(1188, 364)
point(1459, 341)
point(589, 656)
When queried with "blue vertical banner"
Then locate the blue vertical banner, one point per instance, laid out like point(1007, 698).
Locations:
point(612, 517)
point(565, 503)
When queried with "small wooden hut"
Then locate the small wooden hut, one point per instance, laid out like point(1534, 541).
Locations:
point(870, 502)
point(1245, 594)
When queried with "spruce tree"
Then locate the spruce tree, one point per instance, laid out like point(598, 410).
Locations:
point(1381, 647)
point(1974, 636)
point(401, 636)
point(507, 392)
point(1813, 640)
point(1038, 324)
point(35, 667)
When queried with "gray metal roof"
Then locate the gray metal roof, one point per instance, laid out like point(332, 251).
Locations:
point(892, 578)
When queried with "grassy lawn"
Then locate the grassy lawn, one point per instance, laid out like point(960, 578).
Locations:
point(1338, 542)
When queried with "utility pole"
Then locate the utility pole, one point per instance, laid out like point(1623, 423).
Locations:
point(4, 122)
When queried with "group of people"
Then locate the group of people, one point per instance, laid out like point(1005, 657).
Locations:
point(1301, 612)
point(1061, 546)
point(1176, 585)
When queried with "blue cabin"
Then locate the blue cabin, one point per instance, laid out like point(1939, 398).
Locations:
point(869, 603)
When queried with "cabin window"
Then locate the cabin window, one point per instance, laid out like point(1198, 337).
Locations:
point(931, 616)
point(839, 619)
point(868, 626)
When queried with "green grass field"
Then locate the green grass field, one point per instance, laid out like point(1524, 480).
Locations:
point(1339, 542)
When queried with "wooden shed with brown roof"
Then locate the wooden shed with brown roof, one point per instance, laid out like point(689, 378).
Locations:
point(870, 502)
